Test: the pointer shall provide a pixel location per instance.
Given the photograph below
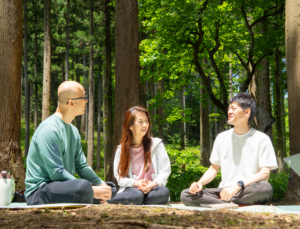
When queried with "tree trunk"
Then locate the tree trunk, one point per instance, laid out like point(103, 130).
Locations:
point(67, 40)
point(127, 69)
point(277, 112)
point(292, 44)
point(108, 91)
point(10, 87)
point(47, 60)
point(160, 88)
point(90, 150)
point(183, 123)
point(216, 122)
point(78, 118)
point(282, 114)
point(35, 105)
point(98, 168)
point(52, 92)
point(204, 127)
point(143, 94)
point(152, 112)
point(27, 98)
point(82, 129)
point(230, 77)
point(104, 116)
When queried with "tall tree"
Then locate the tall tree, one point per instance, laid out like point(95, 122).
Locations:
point(98, 168)
point(67, 41)
point(108, 130)
point(35, 74)
point(27, 98)
point(47, 60)
point(10, 87)
point(259, 88)
point(183, 122)
point(160, 88)
point(90, 150)
point(278, 113)
point(127, 69)
point(292, 44)
point(204, 127)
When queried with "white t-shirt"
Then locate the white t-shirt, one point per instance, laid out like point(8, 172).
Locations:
point(241, 156)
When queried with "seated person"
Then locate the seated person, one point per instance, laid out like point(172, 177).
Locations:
point(245, 156)
point(141, 164)
point(55, 154)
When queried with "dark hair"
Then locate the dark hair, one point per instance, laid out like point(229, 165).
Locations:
point(245, 101)
point(126, 141)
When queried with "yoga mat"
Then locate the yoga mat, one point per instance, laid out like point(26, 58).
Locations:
point(253, 208)
point(44, 206)
point(292, 209)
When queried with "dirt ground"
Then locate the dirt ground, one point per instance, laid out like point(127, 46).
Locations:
point(119, 216)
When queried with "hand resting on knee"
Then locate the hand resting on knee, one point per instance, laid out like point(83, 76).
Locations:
point(102, 192)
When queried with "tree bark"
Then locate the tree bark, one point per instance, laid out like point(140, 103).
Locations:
point(10, 87)
point(78, 118)
point(67, 41)
point(35, 105)
point(27, 98)
point(292, 44)
point(82, 129)
point(183, 123)
point(277, 112)
point(90, 149)
point(47, 60)
point(127, 69)
point(160, 88)
point(98, 168)
point(204, 127)
point(108, 90)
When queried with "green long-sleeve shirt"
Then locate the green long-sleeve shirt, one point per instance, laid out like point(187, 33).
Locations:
point(55, 154)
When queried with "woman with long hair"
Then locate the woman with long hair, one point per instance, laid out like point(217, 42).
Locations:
point(141, 164)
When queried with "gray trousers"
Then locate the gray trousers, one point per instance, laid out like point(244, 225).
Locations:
point(257, 193)
point(71, 191)
point(158, 195)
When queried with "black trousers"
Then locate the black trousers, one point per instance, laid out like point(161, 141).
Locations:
point(257, 193)
point(158, 195)
point(72, 191)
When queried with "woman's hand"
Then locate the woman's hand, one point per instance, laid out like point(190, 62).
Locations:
point(149, 187)
point(140, 183)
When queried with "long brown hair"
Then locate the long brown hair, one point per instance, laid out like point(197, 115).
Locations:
point(126, 141)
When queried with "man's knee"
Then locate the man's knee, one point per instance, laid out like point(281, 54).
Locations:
point(184, 197)
point(265, 189)
point(84, 189)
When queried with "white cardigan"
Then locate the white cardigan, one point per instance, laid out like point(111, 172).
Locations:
point(160, 162)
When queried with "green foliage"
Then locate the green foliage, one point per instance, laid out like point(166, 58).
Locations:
point(279, 182)
point(180, 180)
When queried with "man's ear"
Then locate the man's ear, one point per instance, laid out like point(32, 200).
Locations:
point(248, 112)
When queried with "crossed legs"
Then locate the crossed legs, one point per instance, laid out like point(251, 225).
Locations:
point(257, 193)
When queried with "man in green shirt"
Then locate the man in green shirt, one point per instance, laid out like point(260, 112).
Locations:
point(55, 155)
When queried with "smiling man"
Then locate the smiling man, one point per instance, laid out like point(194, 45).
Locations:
point(55, 155)
point(245, 157)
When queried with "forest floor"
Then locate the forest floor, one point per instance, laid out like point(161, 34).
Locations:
point(119, 216)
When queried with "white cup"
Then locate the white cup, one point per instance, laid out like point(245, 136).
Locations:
point(5, 188)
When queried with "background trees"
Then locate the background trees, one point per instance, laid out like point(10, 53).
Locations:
point(10, 77)
point(183, 60)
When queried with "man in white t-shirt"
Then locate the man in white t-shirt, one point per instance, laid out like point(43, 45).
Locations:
point(245, 156)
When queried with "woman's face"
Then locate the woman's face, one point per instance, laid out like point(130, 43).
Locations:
point(140, 125)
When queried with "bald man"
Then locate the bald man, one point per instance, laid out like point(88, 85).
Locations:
point(55, 155)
